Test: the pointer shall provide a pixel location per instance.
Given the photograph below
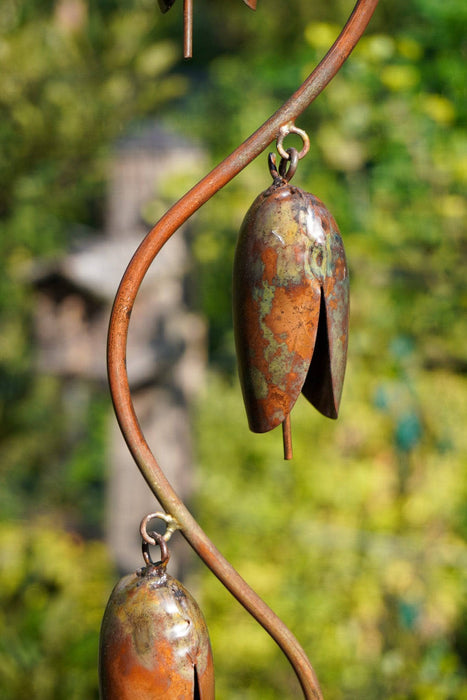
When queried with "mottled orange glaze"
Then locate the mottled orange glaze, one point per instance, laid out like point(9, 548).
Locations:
point(291, 302)
point(153, 641)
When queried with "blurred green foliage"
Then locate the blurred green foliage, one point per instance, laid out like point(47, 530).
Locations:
point(73, 77)
point(360, 542)
point(53, 588)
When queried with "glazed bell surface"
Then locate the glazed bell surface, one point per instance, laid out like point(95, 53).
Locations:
point(154, 642)
point(290, 306)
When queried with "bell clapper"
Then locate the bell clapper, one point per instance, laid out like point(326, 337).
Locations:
point(287, 437)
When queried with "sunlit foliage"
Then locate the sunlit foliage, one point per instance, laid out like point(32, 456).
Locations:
point(360, 542)
point(73, 77)
point(53, 588)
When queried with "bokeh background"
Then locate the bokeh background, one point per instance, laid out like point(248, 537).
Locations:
point(360, 542)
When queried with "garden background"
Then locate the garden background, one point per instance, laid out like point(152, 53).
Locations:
point(360, 542)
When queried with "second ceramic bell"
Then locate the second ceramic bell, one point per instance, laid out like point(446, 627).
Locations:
point(154, 643)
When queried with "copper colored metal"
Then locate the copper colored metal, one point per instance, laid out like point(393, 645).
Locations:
point(287, 437)
point(165, 6)
point(157, 539)
point(120, 319)
point(154, 641)
point(291, 305)
point(187, 28)
point(284, 131)
point(171, 527)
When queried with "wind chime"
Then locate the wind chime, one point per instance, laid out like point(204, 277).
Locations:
point(291, 309)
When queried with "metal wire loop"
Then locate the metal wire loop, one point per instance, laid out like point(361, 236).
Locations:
point(273, 166)
point(284, 131)
point(287, 168)
point(148, 537)
point(165, 556)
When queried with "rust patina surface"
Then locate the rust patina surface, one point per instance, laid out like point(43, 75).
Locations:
point(154, 642)
point(291, 306)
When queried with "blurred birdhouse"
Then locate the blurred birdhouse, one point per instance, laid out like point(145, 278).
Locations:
point(166, 352)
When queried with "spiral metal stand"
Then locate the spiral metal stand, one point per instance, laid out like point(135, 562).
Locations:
point(119, 325)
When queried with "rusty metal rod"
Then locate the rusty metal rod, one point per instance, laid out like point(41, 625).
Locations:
point(118, 333)
point(287, 437)
point(187, 28)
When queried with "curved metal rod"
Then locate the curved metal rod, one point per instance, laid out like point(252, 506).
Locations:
point(118, 333)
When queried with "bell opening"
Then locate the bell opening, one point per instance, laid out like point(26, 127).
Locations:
point(196, 690)
point(318, 383)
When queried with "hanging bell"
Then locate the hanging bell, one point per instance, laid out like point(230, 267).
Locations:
point(290, 304)
point(154, 643)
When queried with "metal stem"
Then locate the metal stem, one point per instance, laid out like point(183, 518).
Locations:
point(187, 28)
point(118, 333)
point(287, 437)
